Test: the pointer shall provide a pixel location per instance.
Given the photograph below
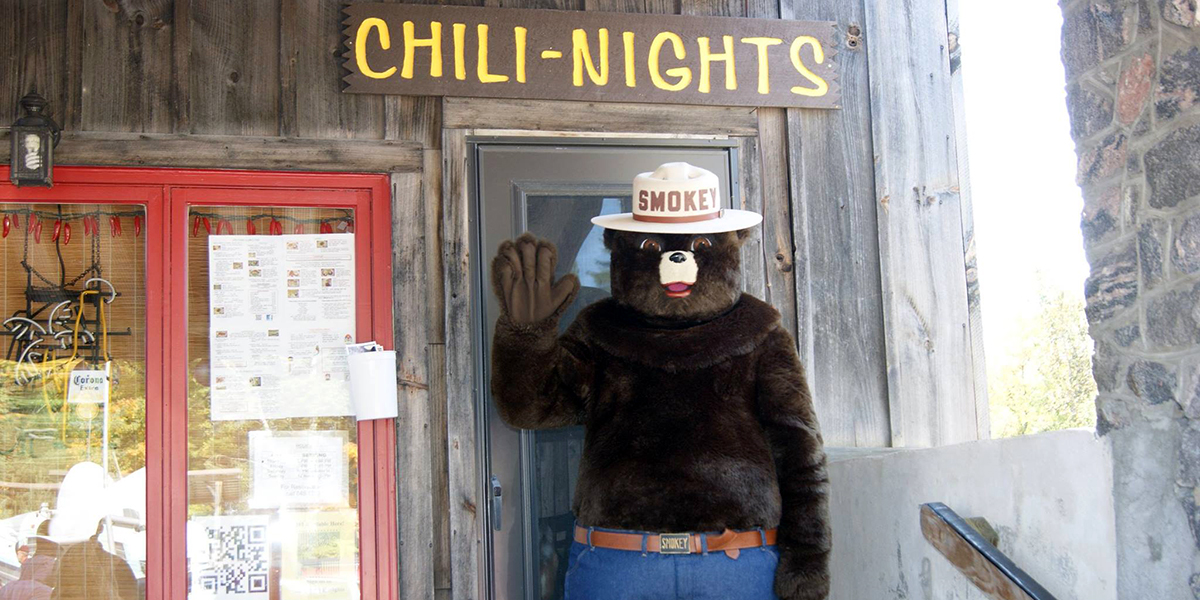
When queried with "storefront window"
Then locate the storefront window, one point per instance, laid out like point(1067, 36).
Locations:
point(272, 447)
point(73, 400)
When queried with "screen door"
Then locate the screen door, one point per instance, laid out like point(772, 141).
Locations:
point(552, 191)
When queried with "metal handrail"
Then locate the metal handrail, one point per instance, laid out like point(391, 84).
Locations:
point(982, 563)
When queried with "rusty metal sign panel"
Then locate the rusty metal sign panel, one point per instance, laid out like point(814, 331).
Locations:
point(588, 56)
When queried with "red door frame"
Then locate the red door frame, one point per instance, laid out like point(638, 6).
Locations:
point(166, 196)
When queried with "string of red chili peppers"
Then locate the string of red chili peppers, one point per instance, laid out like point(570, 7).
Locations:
point(274, 227)
point(62, 227)
point(91, 224)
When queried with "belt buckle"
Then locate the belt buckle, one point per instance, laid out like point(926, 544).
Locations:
point(675, 543)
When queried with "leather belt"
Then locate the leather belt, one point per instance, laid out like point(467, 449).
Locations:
point(729, 542)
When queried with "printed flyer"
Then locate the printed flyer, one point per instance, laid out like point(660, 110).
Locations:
point(281, 313)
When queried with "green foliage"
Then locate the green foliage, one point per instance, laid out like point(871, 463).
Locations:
point(1047, 385)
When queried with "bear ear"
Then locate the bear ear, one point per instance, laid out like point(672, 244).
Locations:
point(613, 239)
point(743, 235)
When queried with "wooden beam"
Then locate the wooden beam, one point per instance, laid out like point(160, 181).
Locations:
point(413, 436)
point(232, 152)
point(779, 249)
point(466, 529)
point(931, 393)
point(835, 232)
point(754, 276)
point(554, 115)
point(436, 307)
point(974, 307)
point(980, 562)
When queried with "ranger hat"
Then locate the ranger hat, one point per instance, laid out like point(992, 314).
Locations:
point(678, 198)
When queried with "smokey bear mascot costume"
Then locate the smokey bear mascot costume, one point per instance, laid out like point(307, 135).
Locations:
point(703, 474)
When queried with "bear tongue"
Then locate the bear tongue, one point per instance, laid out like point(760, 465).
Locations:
point(677, 286)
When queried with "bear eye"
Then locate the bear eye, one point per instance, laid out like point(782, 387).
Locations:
point(701, 242)
point(651, 244)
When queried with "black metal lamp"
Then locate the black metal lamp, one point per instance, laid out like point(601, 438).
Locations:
point(34, 137)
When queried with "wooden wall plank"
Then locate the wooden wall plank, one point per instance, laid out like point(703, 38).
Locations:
point(310, 64)
point(71, 114)
point(181, 63)
point(37, 56)
point(414, 467)
point(234, 69)
point(662, 7)
point(217, 152)
point(466, 549)
point(754, 276)
point(712, 8)
point(127, 68)
point(432, 191)
point(837, 263)
point(974, 306)
point(930, 377)
point(779, 250)
point(554, 115)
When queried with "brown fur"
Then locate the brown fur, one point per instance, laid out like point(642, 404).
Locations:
point(697, 413)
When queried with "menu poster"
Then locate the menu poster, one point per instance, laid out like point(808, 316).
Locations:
point(320, 555)
point(281, 313)
point(299, 468)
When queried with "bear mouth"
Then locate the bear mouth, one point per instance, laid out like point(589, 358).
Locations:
point(678, 289)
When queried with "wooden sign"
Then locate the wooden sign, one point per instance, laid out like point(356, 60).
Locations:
point(588, 56)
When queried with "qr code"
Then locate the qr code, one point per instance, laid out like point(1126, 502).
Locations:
point(234, 561)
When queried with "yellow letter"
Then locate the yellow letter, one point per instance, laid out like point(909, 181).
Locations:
point(433, 42)
point(582, 56)
point(519, 33)
point(460, 40)
point(707, 58)
point(360, 46)
point(630, 68)
point(818, 55)
point(764, 69)
point(481, 67)
point(683, 73)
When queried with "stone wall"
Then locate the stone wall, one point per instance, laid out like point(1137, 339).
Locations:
point(1133, 91)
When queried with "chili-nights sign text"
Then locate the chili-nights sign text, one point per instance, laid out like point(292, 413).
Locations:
point(588, 56)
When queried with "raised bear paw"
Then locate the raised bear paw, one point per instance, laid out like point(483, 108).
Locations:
point(523, 280)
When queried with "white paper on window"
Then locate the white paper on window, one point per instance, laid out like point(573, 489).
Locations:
point(281, 313)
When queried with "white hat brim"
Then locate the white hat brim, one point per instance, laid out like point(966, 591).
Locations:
point(730, 220)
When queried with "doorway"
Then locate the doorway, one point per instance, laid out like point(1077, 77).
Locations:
point(553, 191)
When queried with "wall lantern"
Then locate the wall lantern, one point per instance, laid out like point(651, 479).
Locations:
point(34, 137)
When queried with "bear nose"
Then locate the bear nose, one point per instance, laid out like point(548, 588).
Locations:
point(677, 257)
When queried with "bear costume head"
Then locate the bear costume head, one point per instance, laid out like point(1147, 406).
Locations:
point(675, 257)
point(676, 277)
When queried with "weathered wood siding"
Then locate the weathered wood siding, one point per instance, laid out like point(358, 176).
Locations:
point(864, 248)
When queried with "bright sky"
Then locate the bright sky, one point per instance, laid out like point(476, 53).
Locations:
point(1022, 161)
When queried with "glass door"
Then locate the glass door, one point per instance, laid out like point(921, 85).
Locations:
point(552, 192)
point(281, 478)
point(75, 384)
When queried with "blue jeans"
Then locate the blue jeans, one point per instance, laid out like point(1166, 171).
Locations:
point(605, 574)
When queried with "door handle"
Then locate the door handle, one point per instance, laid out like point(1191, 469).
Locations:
point(497, 503)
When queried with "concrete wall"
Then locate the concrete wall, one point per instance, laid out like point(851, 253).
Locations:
point(1049, 496)
point(1133, 91)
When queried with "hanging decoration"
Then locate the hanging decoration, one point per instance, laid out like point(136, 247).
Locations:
point(63, 323)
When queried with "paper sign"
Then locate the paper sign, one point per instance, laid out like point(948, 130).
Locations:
point(299, 468)
point(89, 386)
point(229, 557)
point(320, 554)
point(281, 313)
